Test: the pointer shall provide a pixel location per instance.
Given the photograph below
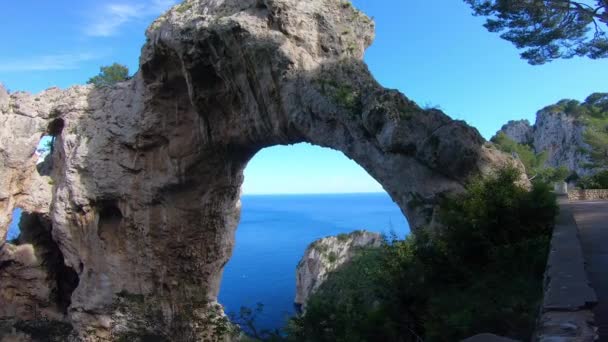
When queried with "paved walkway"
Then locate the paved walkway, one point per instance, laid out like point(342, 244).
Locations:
point(592, 220)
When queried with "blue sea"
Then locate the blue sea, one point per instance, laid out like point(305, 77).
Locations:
point(13, 228)
point(273, 234)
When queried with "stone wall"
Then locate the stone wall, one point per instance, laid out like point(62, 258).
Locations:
point(566, 312)
point(591, 194)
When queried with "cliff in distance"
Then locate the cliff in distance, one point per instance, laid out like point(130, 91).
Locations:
point(565, 131)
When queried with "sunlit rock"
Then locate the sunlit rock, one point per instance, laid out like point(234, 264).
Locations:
point(558, 134)
point(326, 255)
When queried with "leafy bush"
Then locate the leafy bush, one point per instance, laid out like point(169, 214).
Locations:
point(593, 113)
point(332, 257)
point(597, 181)
point(481, 272)
point(343, 237)
point(110, 75)
point(553, 174)
point(490, 258)
point(533, 162)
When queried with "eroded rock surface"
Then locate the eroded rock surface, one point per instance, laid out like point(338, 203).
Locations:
point(143, 193)
point(324, 256)
point(519, 130)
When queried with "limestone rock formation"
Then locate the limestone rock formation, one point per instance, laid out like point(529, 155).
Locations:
point(557, 133)
point(324, 256)
point(142, 199)
point(519, 130)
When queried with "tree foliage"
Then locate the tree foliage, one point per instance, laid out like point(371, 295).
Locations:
point(597, 181)
point(110, 75)
point(528, 157)
point(548, 29)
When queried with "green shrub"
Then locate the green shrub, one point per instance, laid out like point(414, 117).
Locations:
point(110, 75)
point(342, 237)
point(533, 162)
point(482, 272)
point(597, 181)
point(553, 174)
point(332, 257)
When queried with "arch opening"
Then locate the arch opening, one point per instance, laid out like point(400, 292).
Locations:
point(44, 151)
point(34, 251)
point(45, 147)
point(14, 232)
point(55, 127)
point(292, 196)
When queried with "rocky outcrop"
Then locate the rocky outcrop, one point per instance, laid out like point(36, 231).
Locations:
point(558, 134)
point(142, 199)
point(324, 256)
point(519, 130)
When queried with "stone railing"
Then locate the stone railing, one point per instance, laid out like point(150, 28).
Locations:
point(591, 194)
point(565, 313)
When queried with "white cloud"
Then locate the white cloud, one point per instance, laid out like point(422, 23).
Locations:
point(46, 62)
point(112, 16)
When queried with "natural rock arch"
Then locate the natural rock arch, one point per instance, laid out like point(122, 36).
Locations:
point(158, 160)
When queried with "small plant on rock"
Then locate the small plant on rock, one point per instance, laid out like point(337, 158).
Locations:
point(110, 75)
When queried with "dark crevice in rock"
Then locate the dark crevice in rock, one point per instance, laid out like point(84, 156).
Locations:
point(55, 128)
point(37, 230)
point(110, 218)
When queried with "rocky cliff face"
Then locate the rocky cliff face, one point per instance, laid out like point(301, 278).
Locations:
point(326, 255)
point(557, 133)
point(519, 130)
point(142, 200)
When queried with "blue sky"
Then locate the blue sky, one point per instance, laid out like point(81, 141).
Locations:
point(435, 52)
